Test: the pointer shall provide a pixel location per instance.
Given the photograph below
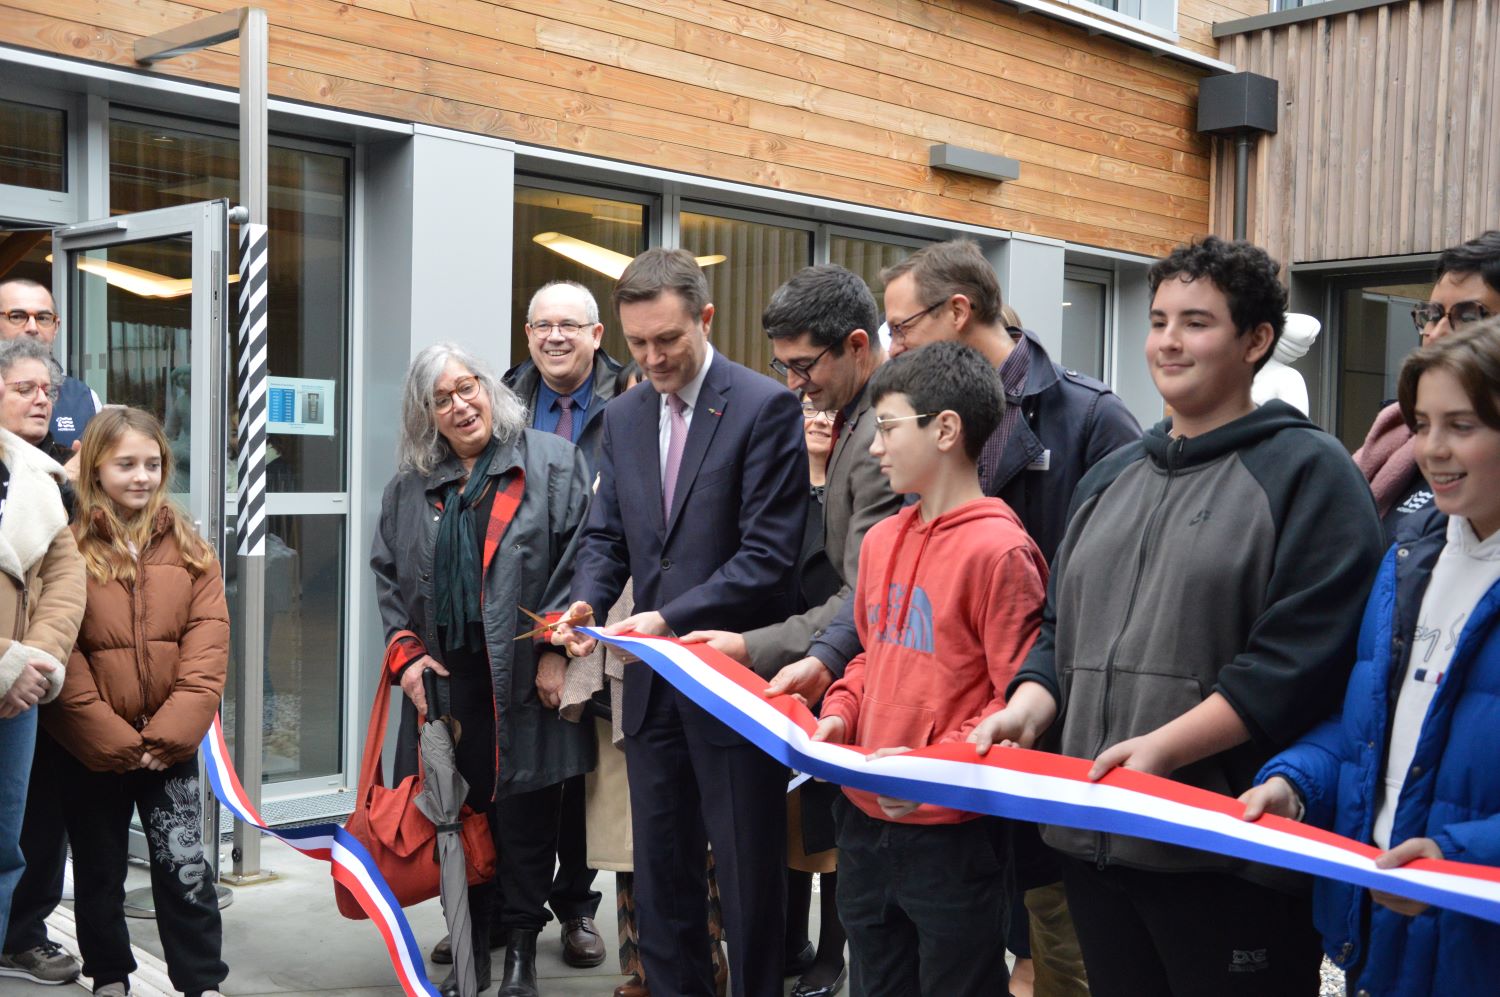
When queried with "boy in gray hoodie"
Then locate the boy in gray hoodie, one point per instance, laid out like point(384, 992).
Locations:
point(1201, 616)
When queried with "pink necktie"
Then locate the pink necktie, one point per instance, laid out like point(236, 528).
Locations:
point(565, 420)
point(677, 430)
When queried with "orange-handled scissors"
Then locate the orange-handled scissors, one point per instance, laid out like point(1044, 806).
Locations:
point(545, 626)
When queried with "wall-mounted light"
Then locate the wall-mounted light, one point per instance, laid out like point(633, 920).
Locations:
point(972, 162)
point(605, 261)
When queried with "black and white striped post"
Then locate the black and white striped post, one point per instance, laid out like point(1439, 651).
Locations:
point(250, 531)
point(251, 514)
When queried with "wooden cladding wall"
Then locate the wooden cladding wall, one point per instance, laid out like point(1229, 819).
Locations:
point(1387, 140)
point(839, 100)
point(1196, 20)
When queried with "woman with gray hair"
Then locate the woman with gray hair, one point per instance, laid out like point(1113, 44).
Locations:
point(34, 376)
point(479, 521)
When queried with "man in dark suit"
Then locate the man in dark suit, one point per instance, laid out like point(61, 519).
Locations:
point(701, 502)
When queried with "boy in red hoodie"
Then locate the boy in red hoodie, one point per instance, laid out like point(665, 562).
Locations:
point(948, 602)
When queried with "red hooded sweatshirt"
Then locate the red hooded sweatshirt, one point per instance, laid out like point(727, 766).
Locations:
point(947, 611)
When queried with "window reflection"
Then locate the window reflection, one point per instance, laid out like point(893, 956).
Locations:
point(759, 258)
point(581, 238)
point(1085, 316)
point(1375, 335)
point(152, 166)
point(302, 711)
point(33, 146)
point(867, 257)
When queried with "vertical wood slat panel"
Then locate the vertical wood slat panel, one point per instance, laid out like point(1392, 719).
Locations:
point(1358, 196)
point(1474, 177)
point(1343, 194)
point(1386, 143)
point(1306, 60)
point(1492, 150)
point(1409, 147)
point(1438, 107)
point(1323, 68)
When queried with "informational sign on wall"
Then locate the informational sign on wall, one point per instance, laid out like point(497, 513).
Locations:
point(300, 405)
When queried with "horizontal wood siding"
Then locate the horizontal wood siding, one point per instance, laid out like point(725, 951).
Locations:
point(1387, 141)
point(840, 100)
point(1196, 20)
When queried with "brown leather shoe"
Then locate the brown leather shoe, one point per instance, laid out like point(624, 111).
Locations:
point(582, 946)
point(633, 987)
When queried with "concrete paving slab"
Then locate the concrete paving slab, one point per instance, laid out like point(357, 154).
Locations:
point(285, 937)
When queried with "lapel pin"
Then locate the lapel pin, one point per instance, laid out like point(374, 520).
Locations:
point(714, 411)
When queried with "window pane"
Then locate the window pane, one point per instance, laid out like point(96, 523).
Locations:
point(758, 259)
point(134, 307)
point(302, 715)
point(1084, 314)
point(582, 238)
point(33, 146)
point(1375, 335)
point(155, 167)
point(867, 257)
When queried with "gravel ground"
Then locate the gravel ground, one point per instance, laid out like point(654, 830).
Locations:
point(1333, 981)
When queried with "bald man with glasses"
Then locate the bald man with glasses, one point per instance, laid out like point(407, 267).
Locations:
point(27, 309)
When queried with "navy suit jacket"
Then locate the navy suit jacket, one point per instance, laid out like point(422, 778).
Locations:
point(726, 557)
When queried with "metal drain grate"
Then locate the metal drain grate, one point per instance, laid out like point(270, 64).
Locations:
point(298, 811)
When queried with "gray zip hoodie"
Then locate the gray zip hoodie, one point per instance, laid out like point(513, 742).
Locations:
point(1236, 562)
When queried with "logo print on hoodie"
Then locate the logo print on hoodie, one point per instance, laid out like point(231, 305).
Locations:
point(916, 633)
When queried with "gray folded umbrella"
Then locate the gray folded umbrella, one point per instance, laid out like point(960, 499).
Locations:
point(442, 796)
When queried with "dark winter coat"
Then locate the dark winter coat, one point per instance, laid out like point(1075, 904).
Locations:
point(532, 567)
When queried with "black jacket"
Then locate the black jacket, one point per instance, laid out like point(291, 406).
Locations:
point(524, 378)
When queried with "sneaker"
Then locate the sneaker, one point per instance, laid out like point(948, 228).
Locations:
point(113, 990)
point(46, 964)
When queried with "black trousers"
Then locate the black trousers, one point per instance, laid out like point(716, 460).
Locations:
point(524, 828)
point(96, 809)
point(573, 894)
point(924, 906)
point(44, 842)
point(693, 782)
point(1186, 934)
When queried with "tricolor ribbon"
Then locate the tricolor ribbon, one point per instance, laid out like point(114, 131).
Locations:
point(350, 865)
point(1049, 789)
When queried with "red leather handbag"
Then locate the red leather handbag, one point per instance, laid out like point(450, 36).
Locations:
point(398, 836)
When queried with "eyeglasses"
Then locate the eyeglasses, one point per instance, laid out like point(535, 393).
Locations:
point(18, 317)
point(1459, 314)
point(27, 389)
point(804, 368)
point(884, 426)
point(811, 411)
point(467, 389)
point(900, 329)
point(569, 329)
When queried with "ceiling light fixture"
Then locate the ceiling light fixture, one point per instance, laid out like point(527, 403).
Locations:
point(605, 261)
point(142, 283)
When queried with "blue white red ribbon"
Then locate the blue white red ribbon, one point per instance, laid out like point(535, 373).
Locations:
point(350, 864)
point(1049, 789)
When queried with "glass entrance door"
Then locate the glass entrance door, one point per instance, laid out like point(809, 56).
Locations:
point(144, 298)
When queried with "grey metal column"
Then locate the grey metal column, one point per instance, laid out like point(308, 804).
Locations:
point(251, 26)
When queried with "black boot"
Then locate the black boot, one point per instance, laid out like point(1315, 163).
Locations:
point(520, 965)
point(449, 986)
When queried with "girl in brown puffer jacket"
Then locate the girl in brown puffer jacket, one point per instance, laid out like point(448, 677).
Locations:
point(142, 688)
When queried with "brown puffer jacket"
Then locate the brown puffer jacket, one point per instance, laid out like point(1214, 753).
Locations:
point(149, 668)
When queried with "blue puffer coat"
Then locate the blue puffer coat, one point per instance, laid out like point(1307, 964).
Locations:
point(1451, 793)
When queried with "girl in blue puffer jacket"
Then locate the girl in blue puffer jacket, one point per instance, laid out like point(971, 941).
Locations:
point(1411, 764)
